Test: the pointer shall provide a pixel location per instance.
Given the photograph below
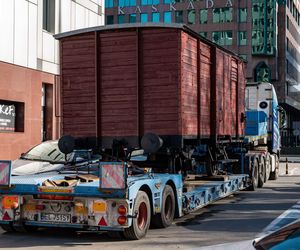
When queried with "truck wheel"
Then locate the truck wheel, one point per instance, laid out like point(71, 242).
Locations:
point(254, 175)
point(8, 228)
point(165, 218)
point(274, 174)
point(141, 223)
point(268, 166)
point(261, 172)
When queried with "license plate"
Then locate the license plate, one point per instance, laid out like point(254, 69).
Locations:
point(56, 217)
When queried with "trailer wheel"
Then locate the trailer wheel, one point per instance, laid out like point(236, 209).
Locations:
point(261, 172)
point(141, 223)
point(274, 174)
point(254, 174)
point(8, 228)
point(166, 217)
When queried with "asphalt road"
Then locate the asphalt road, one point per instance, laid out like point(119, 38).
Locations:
point(238, 218)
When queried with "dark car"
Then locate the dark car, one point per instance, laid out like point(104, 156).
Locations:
point(286, 238)
point(46, 157)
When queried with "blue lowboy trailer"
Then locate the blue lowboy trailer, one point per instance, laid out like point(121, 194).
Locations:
point(55, 185)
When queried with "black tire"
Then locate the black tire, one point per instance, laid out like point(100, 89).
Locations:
point(254, 174)
point(268, 166)
point(141, 223)
point(261, 172)
point(115, 234)
point(166, 217)
point(8, 228)
point(274, 174)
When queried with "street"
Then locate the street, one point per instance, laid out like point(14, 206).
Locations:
point(238, 218)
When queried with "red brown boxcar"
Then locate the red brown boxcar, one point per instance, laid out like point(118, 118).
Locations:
point(125, 81)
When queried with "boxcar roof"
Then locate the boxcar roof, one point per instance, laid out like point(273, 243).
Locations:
point(142, 25)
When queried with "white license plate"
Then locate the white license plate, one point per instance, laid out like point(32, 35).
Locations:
point(56, 217)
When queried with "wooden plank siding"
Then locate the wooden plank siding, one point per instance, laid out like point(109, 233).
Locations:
point(127, 82)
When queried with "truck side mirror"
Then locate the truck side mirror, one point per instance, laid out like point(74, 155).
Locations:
point(282, 117)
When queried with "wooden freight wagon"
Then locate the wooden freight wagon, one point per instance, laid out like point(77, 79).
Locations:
point(122, 81)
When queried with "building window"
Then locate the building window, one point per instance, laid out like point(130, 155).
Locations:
point(144, 17)
point(178, 16)
point(244, 57)
point(203, 16)
point(203, 34)
point(191, 16)
point(242, 15)
point(263, 27)
point(126, 3)
point(242, 38)
point(222, 15)
point(168, 1)
point(149, 2)
point(121, 19)
point(287, 23)
point(109, 3)
point(132, 18)
point(222, 37)
point(49, 15)
point(262, 72)
point(11, 116)
point(168, 17)
point(155, 17)
point(109, 20)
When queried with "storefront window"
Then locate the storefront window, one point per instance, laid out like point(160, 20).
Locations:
point(191, 16)
point(242, 38)
point(242, 15)
point(222, 15)
point(203, 16)
point(222, 37)
point(168, 17)
point(144, 17)
point(155, 17)
point(179, 16)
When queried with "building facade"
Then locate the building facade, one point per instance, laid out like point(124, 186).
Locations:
point(266, 33)
point(29, 67)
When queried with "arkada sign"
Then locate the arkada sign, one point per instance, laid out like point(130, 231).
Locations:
point(7, 117)
point(189, 6)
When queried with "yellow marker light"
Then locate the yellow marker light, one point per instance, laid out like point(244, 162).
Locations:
point(29, 207)
point(8, 202)
point(80, 208)
point(99, 207)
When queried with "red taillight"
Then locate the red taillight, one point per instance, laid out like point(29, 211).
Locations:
point(40, 207)
point(122, 220)
point(122, 210)
point(54, 197)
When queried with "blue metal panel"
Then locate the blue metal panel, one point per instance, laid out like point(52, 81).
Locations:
point(256, 123)
point(275, 125)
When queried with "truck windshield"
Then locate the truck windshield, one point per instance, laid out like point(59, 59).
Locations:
point(46, 151)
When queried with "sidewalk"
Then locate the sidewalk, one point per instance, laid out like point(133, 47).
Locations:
point(291, 158)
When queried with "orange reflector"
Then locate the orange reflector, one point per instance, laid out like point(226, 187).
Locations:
point(122, 220)
point(122, 210)
point(6, 216)
point(102, 222)
point(8, 201)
